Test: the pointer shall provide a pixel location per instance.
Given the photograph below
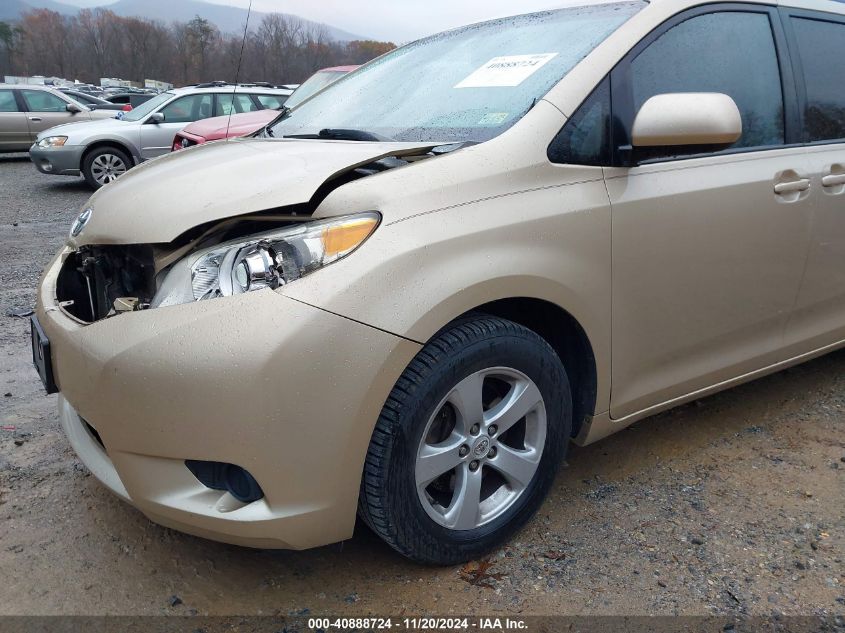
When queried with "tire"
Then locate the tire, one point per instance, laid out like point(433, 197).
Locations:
point(104, 165)
point(431, 413)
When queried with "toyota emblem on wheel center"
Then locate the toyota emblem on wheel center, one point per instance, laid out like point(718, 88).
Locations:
point(481, 448)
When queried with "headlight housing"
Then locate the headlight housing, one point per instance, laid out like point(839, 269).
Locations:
point(52, 141)
point(267, 260)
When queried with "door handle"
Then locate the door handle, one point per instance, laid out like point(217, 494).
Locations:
point(35, 118)
point(792, 187)
point(833, 180)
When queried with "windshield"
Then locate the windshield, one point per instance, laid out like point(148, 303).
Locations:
point(470, 84)
point(313, 84)
point(136, 114)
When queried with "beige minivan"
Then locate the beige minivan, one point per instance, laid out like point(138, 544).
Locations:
point(405, 297)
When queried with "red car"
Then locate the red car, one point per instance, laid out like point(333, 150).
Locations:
point(221, 127)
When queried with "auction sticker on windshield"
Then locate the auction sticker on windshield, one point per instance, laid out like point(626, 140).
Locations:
point(508, 71)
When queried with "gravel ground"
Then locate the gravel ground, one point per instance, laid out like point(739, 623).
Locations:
point(732, 505)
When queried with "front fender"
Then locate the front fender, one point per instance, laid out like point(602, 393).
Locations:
point(129, 142)
point(414, 276)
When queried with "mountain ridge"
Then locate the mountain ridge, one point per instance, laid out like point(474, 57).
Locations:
point(227, 19)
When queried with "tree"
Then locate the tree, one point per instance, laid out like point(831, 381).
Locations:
point(98, 43)
point(47, 42)
point(147, 44)
point(10, 39)
point(202, 36)
point(362, 51)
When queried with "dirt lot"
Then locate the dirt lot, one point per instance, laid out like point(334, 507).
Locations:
point(731, 505)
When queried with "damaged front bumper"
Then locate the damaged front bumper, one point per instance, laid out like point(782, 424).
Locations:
point(284, 390)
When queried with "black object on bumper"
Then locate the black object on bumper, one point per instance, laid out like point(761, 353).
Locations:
point(41, 357)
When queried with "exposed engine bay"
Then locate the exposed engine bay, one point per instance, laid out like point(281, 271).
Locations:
point(97, 282)
point(94, 278)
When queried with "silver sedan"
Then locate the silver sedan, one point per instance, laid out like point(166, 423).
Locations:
point(103, 151)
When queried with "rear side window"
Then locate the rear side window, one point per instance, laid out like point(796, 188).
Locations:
point(39, 101)
point(585, 139)
point(729, 52)
point(234, 104)
point(188, 109)
point(7, 101)
point(821, 47)
point(271, 102)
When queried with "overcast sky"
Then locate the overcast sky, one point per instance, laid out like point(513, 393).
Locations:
point(397, 20)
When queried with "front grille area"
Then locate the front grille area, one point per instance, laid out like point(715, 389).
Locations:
point(92, 278)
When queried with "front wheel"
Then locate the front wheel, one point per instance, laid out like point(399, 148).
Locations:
point(104, 165)
point(468, 442)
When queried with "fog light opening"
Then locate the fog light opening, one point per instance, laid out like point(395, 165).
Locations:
point(235, 480)
point(241, 485)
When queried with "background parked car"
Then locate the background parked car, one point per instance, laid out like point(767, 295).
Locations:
point(103, 151)
point(218, 128)
point(132, 99)
point(317, 82)
point(94, 102)
point(27, 110)
point(88, 89)
point(221, 127)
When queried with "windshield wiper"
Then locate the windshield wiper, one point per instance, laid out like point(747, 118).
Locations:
point(339, 134)
point(268, 129)
point(448, 148)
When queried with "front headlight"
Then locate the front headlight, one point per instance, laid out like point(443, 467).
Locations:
point(266, 260)
point(52, 141)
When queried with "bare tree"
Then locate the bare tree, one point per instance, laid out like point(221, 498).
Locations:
point(10, 42)
point(98, 43)
point(47, 43)
point(96, 35)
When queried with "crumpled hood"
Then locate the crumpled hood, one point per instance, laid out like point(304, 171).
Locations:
point(161, 199)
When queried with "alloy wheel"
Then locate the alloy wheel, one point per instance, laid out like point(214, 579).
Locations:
point(107, 168)
point(481, 449)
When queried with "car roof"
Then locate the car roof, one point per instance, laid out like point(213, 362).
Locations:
point(829, 6)
point(30, 87)
point(214, 87)
point(338, 69)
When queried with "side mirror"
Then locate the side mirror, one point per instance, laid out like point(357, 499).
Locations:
point(73, 108)
point(689, 120)
point(156, 117)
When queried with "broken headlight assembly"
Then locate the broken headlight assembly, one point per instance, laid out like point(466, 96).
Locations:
point(267, 260)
